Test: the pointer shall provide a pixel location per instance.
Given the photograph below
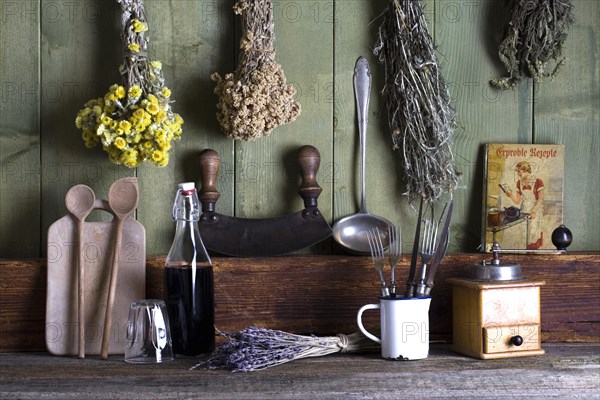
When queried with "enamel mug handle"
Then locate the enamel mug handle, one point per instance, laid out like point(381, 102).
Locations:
point(360, 324)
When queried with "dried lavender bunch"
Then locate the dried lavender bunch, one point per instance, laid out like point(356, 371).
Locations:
point(420, 116)
point(254, 349)
point(534, 36)
point(255, 99)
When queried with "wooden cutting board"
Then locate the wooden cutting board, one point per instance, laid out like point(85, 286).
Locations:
point(62, 293)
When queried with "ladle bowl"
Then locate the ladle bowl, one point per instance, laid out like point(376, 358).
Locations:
point(351, 232)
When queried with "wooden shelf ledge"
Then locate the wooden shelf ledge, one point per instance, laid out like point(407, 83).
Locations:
point(566, 371)
point(321, 294)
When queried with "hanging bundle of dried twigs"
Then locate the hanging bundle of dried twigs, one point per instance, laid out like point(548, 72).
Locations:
point(534, 36)
point(417, 101)
point(255, 99)
point(254, 349)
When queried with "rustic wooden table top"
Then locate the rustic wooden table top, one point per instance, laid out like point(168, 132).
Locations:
point(566, 371)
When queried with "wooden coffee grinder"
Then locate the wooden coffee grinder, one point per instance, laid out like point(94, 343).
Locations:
point(496, 312)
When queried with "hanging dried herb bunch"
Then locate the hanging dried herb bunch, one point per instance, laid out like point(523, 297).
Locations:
point(534, 36)
point(420, 116)
point(255, 99)
point(254, 349)
point(134, 121)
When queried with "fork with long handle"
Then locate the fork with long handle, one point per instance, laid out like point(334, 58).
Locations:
point(428, 246)
point(378, 257)
point(394, 254)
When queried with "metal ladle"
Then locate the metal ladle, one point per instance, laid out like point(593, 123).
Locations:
point(123, 200)
point(80, 202)
point(351, 231)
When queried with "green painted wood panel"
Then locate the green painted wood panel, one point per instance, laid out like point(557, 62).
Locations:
point(567, 111)
point(58, 54)
point(467, 35)
point(79, 60)
point(192, 39)
point(267, 175)
point(20, 168)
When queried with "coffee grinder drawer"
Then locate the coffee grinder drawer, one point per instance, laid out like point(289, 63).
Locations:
point(511, 338)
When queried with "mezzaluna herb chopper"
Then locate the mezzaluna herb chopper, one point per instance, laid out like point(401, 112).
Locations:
point(262, 237)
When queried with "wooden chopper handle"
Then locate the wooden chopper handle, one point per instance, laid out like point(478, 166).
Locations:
point(209, 163)
point(309, 159)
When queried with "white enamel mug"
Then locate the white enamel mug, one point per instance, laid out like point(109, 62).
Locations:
point(404, 327)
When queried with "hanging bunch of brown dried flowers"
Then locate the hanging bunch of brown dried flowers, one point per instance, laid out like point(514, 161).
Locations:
point(255, 99)
point(420, 116)
point(534, 36)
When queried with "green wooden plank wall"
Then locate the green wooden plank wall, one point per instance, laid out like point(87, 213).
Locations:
point(55, 55)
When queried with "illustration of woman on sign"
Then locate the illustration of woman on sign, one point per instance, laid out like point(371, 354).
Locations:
point(530, 196)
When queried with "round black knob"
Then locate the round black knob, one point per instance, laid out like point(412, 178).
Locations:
point(562, 237)
point(517, 340)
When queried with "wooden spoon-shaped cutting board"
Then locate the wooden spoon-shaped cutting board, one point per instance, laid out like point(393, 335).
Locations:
point(62, 294)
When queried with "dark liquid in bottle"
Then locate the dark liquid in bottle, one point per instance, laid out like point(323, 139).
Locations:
point(190, 304)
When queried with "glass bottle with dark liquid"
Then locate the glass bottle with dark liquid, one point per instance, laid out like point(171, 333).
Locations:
point(189, 283)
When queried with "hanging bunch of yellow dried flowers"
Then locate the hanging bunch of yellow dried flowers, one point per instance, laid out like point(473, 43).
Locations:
point(134, 122)
point(255, 99)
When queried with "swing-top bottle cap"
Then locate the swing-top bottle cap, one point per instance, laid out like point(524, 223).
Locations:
point(187, 186)
point(186, 206)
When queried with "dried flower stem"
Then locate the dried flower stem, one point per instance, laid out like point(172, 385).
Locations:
point(534, 36)
point(254, 349)
point(135, 68)
point(255, 99)
point(417, 101)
